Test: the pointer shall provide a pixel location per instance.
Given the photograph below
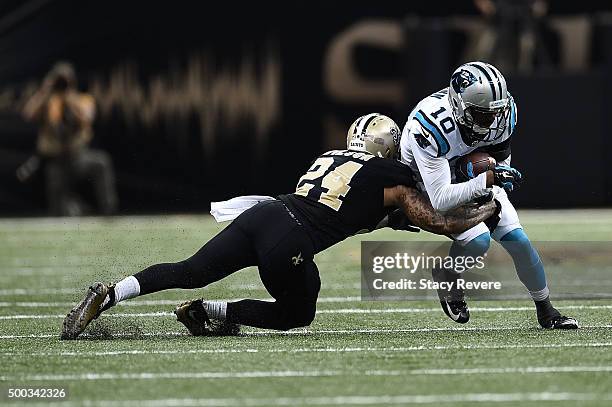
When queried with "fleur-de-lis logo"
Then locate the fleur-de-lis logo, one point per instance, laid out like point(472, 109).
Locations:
point(296, 260)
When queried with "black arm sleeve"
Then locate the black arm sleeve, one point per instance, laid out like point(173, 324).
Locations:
point(387, 172)
point(499, 151)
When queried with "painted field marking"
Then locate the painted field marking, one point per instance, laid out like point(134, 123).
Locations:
point(305, 373)
point(143, 303)
point(306, 332)
point(338, 400)
point(392, 349)
point(326, 311)
point(38, 291)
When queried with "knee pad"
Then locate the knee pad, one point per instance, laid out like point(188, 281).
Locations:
point(516, 235)
point(306, 315)
point(475, 247)
point(296, 314)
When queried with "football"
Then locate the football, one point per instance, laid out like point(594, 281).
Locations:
point(472, 164)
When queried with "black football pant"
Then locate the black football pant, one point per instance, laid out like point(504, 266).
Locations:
point(268, 236)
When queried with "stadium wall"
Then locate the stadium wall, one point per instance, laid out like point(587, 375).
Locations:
point(203, 102)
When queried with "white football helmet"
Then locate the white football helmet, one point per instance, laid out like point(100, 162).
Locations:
point(374, 133)
point(479, 98)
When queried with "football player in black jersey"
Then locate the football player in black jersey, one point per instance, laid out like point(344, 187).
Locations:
point(344, 192)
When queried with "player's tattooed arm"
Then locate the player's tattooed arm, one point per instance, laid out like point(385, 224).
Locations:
point(418, 209)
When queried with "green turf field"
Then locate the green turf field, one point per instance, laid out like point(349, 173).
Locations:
point(355, 353)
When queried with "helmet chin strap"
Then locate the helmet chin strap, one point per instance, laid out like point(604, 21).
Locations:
point(467, 135)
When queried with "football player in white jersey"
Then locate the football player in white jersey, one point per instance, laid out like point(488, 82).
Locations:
point(475, 112)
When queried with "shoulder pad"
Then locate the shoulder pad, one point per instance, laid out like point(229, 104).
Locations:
point(423, 140)
point(432, 133)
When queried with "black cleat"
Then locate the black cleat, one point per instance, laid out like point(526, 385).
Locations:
point(193, 315)
point(452, 302)
point(559, 322)
point(84, 312)
point(111, 302)
point(458, 311)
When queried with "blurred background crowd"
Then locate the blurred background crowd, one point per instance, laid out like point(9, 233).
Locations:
point(124, 107)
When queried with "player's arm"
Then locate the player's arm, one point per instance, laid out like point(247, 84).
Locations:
point(420, 212)
point(436, 174)
point(501, 152)
point(34, 107)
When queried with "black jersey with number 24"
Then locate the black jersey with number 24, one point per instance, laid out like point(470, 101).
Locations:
point(342, 194)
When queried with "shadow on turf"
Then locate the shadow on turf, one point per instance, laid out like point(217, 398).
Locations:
point(110, 329)
point(102, 330)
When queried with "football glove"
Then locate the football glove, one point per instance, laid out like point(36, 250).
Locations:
point(464, 173)
point(494, 219)
point(507, 177)
point(485, 198)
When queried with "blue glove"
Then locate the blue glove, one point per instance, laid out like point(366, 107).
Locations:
point(507, 177)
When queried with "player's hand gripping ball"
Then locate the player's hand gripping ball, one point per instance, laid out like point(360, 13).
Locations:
point(507, 177)
point(473, 164)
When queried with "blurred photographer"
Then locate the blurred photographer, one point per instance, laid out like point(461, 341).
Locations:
point(518, 37)
point(65, 117)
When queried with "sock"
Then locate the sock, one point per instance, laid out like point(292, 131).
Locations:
point(474, 248)
point(527, 262)
point(272, 314)
point(216, 309)
point(127, 288)
point(540, 295)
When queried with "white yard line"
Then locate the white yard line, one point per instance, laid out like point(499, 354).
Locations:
point(71, 291)
point(114, 335)
point(114, 315)
point(487, 398)
point(477, 309)
point(39, 291)
point(327, 286)
point(173, 375)
point(405, 330)
point(309, 332)
point(392, 349)
point(142, 303)
point(136, 303)
point(325, 311)
point(507, 370)
point(304, 373)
